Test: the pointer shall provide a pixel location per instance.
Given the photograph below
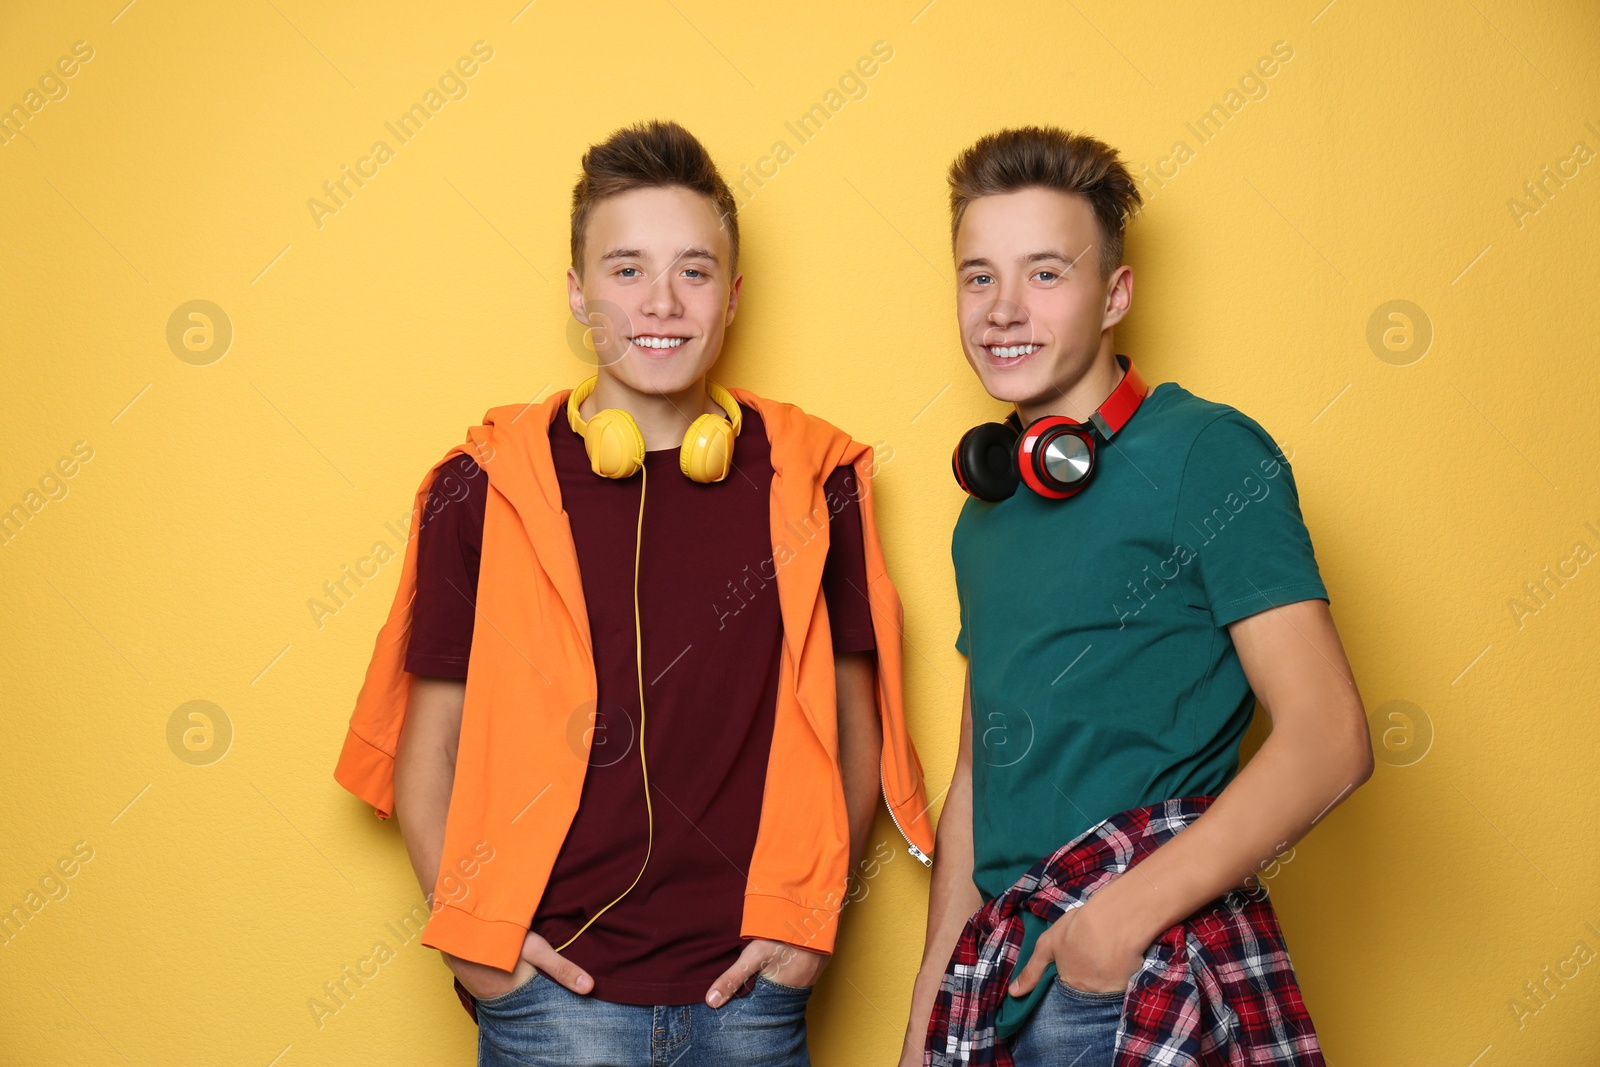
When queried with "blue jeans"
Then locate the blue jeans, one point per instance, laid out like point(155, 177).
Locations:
point(541, 1022)
point(1070, 1028)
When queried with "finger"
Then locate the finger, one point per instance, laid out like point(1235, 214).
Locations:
point(537, 951)
point(1023, 983)
point(749, 962)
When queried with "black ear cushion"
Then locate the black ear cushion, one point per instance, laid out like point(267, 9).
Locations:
point(985, 462)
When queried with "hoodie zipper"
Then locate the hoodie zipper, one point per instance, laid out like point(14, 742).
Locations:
point(921, 856)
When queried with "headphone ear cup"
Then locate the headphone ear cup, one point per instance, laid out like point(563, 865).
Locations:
point(707, 453)
point(614, 444)
point(985, 461)
point(1056, 456)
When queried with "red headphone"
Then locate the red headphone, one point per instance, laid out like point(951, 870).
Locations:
point(1054, 456)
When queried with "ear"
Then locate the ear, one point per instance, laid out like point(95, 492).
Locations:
point(1119, 296)
point(575, 299)
point(733, 298)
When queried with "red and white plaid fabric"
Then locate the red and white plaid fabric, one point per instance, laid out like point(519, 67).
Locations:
point(1215, 990)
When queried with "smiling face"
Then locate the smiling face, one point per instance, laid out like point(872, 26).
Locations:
point(657, 288)
point(1035, 313)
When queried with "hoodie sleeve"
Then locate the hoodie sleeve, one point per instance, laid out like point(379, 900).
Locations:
point(903, 788)
point(366, 762)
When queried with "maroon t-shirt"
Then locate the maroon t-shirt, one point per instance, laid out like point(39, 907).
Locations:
point(708, 605)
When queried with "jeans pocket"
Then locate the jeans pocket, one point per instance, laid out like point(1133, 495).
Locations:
point(504, 998)
point(779, 987)
point(1083, 994)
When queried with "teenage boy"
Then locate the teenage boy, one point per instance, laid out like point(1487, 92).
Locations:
point(1133, 574)
point(642, 675)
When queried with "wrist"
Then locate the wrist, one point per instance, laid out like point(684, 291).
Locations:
point(1125, 914)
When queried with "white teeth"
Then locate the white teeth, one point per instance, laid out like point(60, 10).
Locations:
point(659, 342)
point(1012, 351)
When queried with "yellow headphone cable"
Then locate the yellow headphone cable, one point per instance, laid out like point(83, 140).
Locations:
point(638, 656)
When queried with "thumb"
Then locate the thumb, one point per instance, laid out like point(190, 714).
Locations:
point(751, 960)
point(1024, 982)
point(537, 951)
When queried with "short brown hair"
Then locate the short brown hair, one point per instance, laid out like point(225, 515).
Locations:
point(648, 155)
point(1049, 158)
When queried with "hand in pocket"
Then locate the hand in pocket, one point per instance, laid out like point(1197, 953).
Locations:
point(486, 983)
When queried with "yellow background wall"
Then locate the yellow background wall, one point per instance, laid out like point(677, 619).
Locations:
point(1438, 477)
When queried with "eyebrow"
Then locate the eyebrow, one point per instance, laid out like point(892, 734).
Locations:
point(695, 252)
point(1031, 257)
point(698, 253)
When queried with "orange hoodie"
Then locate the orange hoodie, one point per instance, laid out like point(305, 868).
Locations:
point(517, 783)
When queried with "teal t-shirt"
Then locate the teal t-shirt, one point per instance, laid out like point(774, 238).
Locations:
point(1103, 677)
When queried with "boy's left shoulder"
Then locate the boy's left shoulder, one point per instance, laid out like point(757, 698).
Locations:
point(784, 415)
point(1187, 418)
point(792, 429)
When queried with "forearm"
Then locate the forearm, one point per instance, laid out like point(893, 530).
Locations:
point(952, 896)
point(424, 774)
point(1270, 805)
point(1318, 752)
point(860, 745)
point(952, 900)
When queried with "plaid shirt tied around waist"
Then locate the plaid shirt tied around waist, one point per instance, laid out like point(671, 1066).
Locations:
point(1215, 990)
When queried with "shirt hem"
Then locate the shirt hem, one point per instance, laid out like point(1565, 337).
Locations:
point(436, 668)
point(861, 641)
point(1231, 611)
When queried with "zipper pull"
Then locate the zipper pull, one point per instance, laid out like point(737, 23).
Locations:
point(920, 856)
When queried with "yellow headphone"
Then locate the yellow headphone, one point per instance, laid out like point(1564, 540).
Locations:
point(616, 450)
point(616, 447)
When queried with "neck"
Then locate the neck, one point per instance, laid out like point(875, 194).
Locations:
point(663, 418)
point(1083, 395)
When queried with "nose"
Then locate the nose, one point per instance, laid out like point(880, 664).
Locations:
point(662, 300)
point(1003, 313)
point(999, 318)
